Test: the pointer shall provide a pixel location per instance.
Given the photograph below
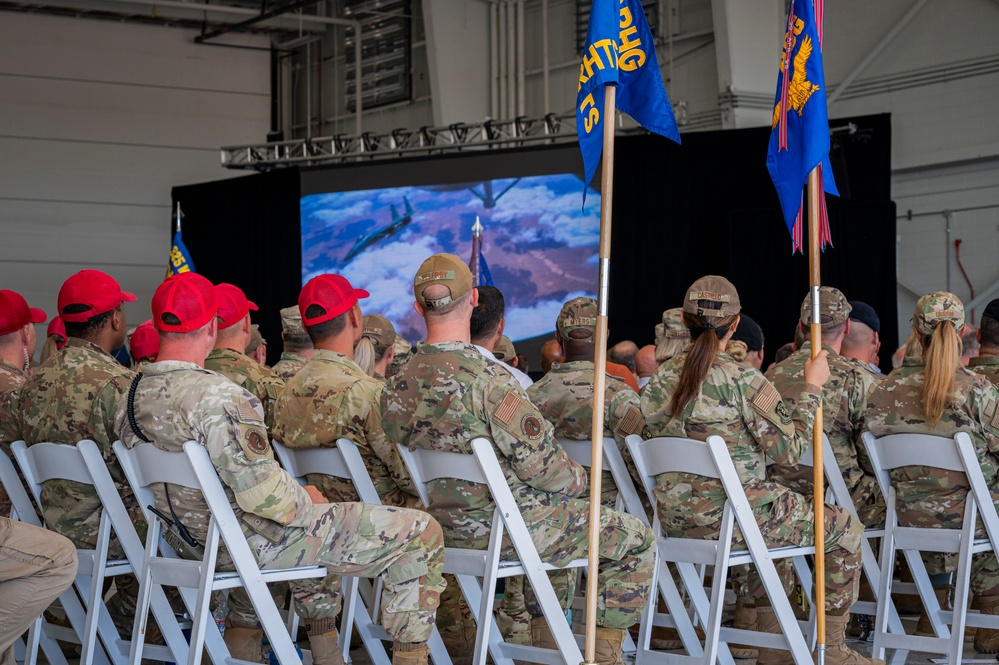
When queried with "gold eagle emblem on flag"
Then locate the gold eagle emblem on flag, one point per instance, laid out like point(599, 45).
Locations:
point(799, 88)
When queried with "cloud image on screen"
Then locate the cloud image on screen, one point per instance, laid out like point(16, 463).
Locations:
point(540, 245)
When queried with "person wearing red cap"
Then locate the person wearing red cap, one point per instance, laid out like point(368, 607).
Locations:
point(73, 396)
point(55, 339)
point(178, 400)
point(229, 359)
point(144, 344)
point(17, 347)
point(447, 395)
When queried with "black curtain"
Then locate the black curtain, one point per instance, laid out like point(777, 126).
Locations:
point(245, 231)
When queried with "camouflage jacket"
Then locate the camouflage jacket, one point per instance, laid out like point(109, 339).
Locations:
point(987, 366)
point(844, 400)
point(288, 365)
point(895, 407)
point(176, 402)
point(447, 395)
point(564, 396)
point(11, 380)
point(737, 403)
point(74, 396)
point(246, 372)
point(332, 398)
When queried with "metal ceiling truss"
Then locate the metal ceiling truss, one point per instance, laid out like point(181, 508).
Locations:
point(459, 137)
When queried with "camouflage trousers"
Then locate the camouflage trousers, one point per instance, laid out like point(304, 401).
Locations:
point(984, 567)
point(403, 546)
point(627, 550)
point(789, 522)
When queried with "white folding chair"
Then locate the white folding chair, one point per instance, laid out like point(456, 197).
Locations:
point(628, 499)
point(711, 460)
point(957, 454)
point(43, 634)
point(146, 465)
point(43, 462)
point(345, 462)
point(469, 565)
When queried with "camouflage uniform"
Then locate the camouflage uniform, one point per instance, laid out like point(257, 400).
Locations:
point(73, 396)
point(288, 365)
point(243, 371)
point(934, 497)
point(179, 401)
point(403, 352)
point(331, 398)
point(844, 399)
point(449, 394)
point(737, 403)
point(11, 379)
point(987, 366)
point(564, 397)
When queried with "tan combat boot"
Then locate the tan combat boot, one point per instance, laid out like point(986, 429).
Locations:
point(609, 642)
point(541, 634)
point(747, 619)
point(768, 623)
point(837, 653)
point(245, 643)
point(987, 640)
point(923, 626)
point(324, 642)
point(460, 644)
point(664, 637)
point(410, 653)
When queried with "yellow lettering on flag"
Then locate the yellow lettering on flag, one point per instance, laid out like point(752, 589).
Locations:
point(592, 116)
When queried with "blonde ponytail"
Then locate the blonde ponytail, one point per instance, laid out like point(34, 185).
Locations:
point(364, 355)
point(943, 357)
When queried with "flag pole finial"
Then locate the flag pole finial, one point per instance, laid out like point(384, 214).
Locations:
point(477, 228)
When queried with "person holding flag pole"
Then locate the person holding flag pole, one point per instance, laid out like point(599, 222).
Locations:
point(619, 70)
point(798, 153)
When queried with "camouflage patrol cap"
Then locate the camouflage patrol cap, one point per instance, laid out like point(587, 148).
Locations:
point(716, 290)
point(379, 330)
point(256, 339)
point(291, 321)
point(579, 313)
point(834, 308)
point(505, 350)
point(936, 307)
point(673, 327)
point(446, 269)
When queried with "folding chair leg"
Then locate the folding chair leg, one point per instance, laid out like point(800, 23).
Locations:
point(348, 603)
point(676, 608)
point(702, 606)
point(962, 581)
point(371, 633)
point(487, 635)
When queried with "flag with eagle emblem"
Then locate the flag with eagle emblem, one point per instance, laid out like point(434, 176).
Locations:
point(799, 136)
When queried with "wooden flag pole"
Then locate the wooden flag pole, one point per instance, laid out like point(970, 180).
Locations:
point(818, 479)
point(600, 372)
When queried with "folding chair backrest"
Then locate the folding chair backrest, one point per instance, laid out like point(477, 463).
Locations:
point(582, 453)
point(979, 486)
point(900, 450)
point(342, 462)
point(835, 485)
point(669, 454)
point(427, 465)
point(50, 461)
point(22, 509)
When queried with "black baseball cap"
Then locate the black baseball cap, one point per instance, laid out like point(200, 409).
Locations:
point(749, 332)
point(865, 314)
point(992, 310)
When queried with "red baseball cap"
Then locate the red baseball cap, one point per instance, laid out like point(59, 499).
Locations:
point(233, 305)
point(145, 341)
point(96, 290)
point(15, 313)
point(188, 296)
point(57, 327)
point(331, 292)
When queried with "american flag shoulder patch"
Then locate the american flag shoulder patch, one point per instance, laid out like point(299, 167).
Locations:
point(995, 415)
point(632, 421)
point(507, 408)
point(766, 397)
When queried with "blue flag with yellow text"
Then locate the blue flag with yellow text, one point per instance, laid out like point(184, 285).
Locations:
point(485, 277)
point(799, 137)
point(180, 259)
point(619, 50)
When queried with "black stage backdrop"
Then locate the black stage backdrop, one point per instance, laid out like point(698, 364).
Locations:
point(680, 212)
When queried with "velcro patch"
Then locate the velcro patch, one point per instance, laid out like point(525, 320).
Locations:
point(243, 412)
point(709, 295)
point(531, 426)
point(507, 408)
point(434, 275)
point(581, 321)
point(372, 331)
point(632, 421)
point(995, 416)
point(766, 398)
point(256, 442)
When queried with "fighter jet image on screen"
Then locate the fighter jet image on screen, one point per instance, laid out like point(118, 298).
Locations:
point(399, 222)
